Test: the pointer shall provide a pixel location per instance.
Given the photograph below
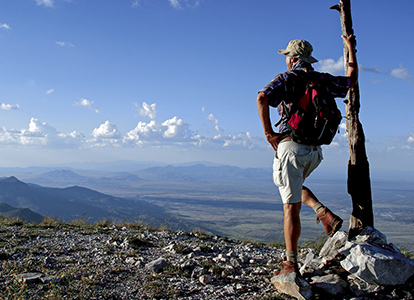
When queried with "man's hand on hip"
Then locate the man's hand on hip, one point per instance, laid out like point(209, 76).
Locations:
point(273, 139)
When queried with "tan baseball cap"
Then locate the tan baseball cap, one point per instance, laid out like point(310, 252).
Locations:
point(299, 49)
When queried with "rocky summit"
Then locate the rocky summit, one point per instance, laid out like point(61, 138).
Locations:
point(56, 260)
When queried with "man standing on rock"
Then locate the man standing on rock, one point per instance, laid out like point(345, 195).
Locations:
point(294, 162)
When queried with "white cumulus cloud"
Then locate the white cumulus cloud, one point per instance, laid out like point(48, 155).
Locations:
point(171, 130)
point(39, 128)
point(175, 3)
point(39, 134)
point(144, 132)
point(4, 26)
point(214, 120)
point(240, 140)
point(87, 103)
point(47, 3)
point(5, 106)
point(148, 110)
point(64, 44)
point(401, 72)
point(106, 134)
point(48, 92)
point(176, 128)
point(106, 130)
point(184, 3)
point(411, 137)
point(331, 66)
point(136, 3)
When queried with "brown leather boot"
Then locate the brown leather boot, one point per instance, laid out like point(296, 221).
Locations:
point(288, 267)
point(330, 221)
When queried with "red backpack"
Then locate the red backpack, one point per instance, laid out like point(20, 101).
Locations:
point(315, 118)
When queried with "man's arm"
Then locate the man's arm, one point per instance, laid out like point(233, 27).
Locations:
point(264, 114)
point(350, 42)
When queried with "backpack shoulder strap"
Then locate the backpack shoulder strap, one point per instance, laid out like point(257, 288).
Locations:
point(286, 111)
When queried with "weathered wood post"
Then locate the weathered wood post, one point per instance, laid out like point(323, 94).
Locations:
point(359, 183)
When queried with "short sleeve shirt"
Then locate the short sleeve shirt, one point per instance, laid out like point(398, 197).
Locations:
point(289, 86)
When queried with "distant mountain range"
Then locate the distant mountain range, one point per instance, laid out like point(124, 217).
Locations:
point(24, 214)
point(74, 203)
point(189, 174)
point(201, 172)
point(67, 195)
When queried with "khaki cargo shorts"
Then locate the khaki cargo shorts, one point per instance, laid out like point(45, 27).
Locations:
point(292, 164)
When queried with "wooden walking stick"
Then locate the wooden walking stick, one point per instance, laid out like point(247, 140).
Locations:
point(359, 183)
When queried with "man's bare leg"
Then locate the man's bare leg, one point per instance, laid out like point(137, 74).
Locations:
point(330, 221)
point(292, 226)
point(292, 229)
point(308, 198)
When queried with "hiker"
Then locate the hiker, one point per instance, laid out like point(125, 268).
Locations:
point(294, 161)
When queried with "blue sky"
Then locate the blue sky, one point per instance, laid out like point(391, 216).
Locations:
point(176, 80)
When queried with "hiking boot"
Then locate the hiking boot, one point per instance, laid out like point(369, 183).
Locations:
point(288, 267)
point(330, 221)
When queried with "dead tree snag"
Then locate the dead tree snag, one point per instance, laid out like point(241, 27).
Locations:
point(359, 182)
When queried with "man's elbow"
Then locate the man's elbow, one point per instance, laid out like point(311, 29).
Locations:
point(261, 99)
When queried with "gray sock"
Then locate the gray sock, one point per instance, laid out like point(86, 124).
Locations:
point(292, 256)
point(318, 207)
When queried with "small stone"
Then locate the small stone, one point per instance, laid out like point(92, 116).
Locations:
point(189, 264)
point(30, 277)
point(139, 264)
point(205, 279)
point(235, 262)
point(215, 248)
point(157, 265)
point(46, 279)
point(244, 258)
point(169, 248)
point(197, 272)
point(130, 260)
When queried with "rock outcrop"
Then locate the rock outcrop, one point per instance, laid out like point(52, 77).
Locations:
point(372, 259)
point(365, 266)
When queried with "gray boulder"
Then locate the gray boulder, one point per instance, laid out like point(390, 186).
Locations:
point(331, 284)
point(332, 245)
point(372, 259)
point(293, 285)
point(312, 265)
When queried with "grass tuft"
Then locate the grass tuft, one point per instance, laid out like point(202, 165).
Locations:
point(52, 222)
point(316, 244)
point(405, 250)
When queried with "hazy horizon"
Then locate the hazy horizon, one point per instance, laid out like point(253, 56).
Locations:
point(238, 208)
